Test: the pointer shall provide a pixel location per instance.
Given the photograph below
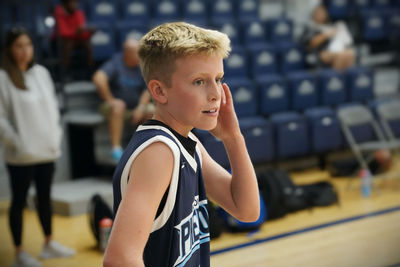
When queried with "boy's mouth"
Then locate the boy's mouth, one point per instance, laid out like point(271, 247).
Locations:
point(210, 111)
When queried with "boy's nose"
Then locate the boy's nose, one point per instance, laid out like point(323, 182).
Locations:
point(214, 93)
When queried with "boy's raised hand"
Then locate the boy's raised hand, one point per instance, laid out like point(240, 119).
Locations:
point(227, 125)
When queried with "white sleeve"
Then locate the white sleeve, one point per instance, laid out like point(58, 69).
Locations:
point(49, 81)
point(8, 135)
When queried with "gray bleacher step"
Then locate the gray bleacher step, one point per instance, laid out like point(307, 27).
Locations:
point(79, 87)
point(83, 117)
point(80, 95)
point(72, 197)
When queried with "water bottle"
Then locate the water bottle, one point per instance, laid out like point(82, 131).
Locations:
point(105, 225)
point(366, 181)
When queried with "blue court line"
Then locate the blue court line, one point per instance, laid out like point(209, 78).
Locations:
point(305, 230)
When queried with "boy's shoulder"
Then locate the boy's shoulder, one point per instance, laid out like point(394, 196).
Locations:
point(145, 135)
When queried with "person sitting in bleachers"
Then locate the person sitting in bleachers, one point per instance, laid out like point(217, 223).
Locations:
point(124, 93)
point(71, 31)
point(330, 42)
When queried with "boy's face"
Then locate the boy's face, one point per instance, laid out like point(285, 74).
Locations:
point(194, 96)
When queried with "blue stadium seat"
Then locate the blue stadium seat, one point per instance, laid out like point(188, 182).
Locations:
point(302, 90)
point(196, 11)
point(236, 65)
point(222, 11)
point(230, 28)
point(274, 95)
point(258, 134)
point(324, 129)
point(395, 3)
point(263, 60)
point(165, 11)
point(103, 42)
point(102, 11)
point(338, 9)
point(25, 13)
point(136, 11)
point(248, 10)
point(6, 13)
point(244, 97)
point(291, 135)
point(129, 29)
point(253, 33)
point(280, 30)
point(291, 57)
point(359, 6)
point(332, 85)
point(214, 147)
point(360, 84)
point(380, 4)
point(374, 26)
point(394, 23)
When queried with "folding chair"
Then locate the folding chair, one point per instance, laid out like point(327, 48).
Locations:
point(363, 134)
point(389, 115)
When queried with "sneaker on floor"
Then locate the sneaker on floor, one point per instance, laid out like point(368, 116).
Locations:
point(116, 153)
point(23, 259)
point(56, 250)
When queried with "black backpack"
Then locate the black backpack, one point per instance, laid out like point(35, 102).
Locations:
point(320, 194)
point(279, 193)
point(97, 210)
point(282, 196)
point(215, 221)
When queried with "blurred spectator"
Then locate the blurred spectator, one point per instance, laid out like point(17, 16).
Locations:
point(72, 32)
point(121, 86)
point(31, 134)
point(331, 43)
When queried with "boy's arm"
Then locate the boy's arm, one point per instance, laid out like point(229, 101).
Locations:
point(148, 180)
point(236, 193)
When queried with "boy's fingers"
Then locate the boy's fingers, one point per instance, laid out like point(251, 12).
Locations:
point(223, 95)
point(227, 92)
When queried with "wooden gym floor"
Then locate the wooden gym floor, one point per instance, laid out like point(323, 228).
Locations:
point(358, 232)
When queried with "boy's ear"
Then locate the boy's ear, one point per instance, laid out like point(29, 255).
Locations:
point(157, 91)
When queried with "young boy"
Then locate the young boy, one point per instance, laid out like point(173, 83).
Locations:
point(161, 181)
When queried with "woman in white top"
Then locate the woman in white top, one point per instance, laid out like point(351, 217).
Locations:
point(30, 134)
point(332, 43)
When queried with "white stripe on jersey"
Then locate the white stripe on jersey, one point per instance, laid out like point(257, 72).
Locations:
point(188, 157)
point(169, 204)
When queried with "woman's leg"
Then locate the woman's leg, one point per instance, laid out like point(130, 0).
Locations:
point(20, 177)
point(43, 180)
point(343, 60)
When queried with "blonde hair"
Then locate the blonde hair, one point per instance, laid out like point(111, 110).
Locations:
point(163, 45)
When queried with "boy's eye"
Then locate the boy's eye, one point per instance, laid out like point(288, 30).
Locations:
point(219, 80)
point(198, 82)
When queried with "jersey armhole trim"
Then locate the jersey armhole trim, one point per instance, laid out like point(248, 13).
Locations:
point(170, 203)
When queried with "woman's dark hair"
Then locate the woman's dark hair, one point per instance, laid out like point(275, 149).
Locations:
point(9, 64)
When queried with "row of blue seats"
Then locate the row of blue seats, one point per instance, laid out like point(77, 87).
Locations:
point(298, 91)
point(379, 19)
point(342, 9)
point(109, 39)
point(291, 134)
point(248, 33)
point(138, 10)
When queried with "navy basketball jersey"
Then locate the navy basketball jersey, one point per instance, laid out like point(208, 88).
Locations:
point(179, 235)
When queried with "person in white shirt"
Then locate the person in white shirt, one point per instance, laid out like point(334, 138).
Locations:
point(30, 134)
point(331, 42)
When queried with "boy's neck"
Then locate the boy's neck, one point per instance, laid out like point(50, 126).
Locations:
point(175, 125)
